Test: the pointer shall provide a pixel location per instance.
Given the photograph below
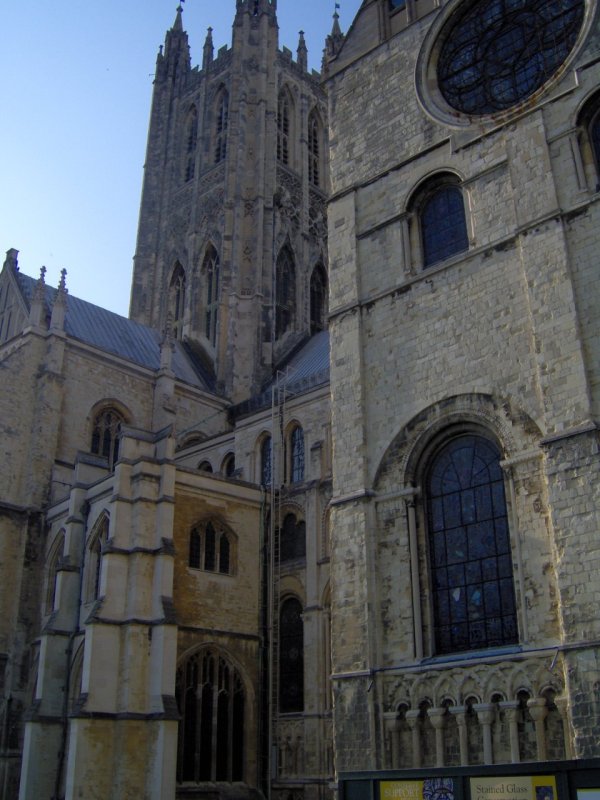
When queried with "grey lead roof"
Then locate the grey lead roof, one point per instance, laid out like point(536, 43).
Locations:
point(306, 369)
point(121, 336)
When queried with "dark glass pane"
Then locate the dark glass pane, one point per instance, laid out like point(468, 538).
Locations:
point(457, 545)
point(297, 447)
point(291, 657)
point(483, 501)
point(489, 569)
point(437, 515)
point(224, 554)
point(456, 575)
point(266, 461)
point(222, 772)
point(206, 733)
point(209, 548)
point(237, 754)
point(492, 599)
point(195, 549)
point(440, 578)
point(473, 572)
point(452, 510)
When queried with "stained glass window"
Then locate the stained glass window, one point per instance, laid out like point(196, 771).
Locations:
point(499, 52)
point(291, 657)
point(443, 225)
point(471, 561)
point(106, 435)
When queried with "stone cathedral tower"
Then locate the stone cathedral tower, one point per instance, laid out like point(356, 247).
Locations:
point(231, 248)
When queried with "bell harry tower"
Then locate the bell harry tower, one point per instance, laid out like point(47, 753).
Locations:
point(231, 253)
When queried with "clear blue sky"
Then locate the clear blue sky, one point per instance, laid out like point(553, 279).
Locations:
point(75, 91)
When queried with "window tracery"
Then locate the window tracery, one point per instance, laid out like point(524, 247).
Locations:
point(211, 548)
point(495, 54)
point(211, 700)
point(291, 657)
point(221, 126)
point(470, 553)
point(285, 292)
point(106, 432)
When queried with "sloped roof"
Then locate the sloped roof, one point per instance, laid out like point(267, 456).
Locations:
point(121, 336)
point(306, 369)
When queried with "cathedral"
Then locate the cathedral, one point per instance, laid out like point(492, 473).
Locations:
point(320, 518)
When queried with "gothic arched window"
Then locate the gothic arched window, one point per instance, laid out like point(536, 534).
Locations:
point(177, 300)
point(284, 115)
point(470, 553)
point(291, 657)
point(211, 701)
point(52, 572)
point(314, 149)
point(266, 461)
point(211, 548)
point(221, 125)
point(285, 292)
point(228, 465)
point(191, 140)
point(318, 299)
point(212, 278)
point(296, 450)
point(106, 432)
point(98, 539)
point(443, 223)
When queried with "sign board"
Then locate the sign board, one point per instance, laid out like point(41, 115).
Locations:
point(517, 787)
point(426, 789)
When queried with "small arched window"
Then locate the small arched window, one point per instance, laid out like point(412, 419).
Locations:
point(190, 143)
point(292, 539)
point(442, 221)
point(211, 702)
point(212, 278)
point(106, 432)
point(291, 657)
point(284, 114)
point(177, 300)
point(266, 461)
point(314, 149)
point(296, 450)
point(470, 553)
point(228, 466)
point(210, 548)
point(221, 125)
point(205, 466)
point(285, 292)
point(318, 299)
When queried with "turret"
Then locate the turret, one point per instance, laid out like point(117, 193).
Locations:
point(334, 42)
point(302, 52)
point(175, 61)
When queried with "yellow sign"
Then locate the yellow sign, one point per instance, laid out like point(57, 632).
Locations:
point(428, 789)
point(518, 787)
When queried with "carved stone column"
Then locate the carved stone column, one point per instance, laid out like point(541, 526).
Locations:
point(413, 718)
point(539, 711)
point(460, 713)
point(393, 735)
point(438, 718)
point(511, 714)
point(562, 704)
point(486, 713)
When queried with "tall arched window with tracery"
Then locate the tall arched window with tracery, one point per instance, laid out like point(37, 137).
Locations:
point(315, 149)
point(190, 144)
point(177, 300)
point(266, 461)
point(106, 431)
point(296, 455)
point(285, 292)
point(211, 271)
point(53, 562)
point(284, 124)
point(318, 299)
point(291, 657)
point(96, 543)
point(470, 553)
point(221, 126)
point(212, 705)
